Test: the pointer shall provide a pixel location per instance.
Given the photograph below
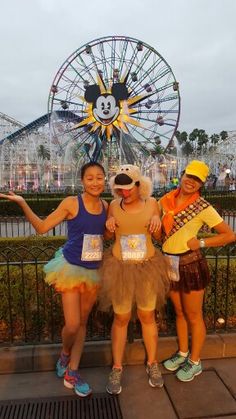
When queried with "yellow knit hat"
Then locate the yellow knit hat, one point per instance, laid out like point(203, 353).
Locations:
point(198, 168)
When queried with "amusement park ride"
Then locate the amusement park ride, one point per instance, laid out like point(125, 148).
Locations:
point(114, 100)
point(114, 97)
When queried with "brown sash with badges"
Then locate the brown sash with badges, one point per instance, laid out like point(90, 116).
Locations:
point(186, 215)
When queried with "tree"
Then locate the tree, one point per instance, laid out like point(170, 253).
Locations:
point(181, 137)
point(223, 135)
point(157, 150)
point(202, 140)
point(43, 152)
point(199, 139)
point(187, 148)
point(215, 138)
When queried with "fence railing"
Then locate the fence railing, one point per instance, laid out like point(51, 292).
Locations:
point(30, 311)
point(20, 226)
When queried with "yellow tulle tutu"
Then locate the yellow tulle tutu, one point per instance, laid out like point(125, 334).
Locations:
point(64, 276)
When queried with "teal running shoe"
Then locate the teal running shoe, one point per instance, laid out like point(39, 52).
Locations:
point(62, 365)
point(73, 380)
point(189, 370)
point(175, 361)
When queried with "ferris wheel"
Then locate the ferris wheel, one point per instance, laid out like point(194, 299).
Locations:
point(115, 96)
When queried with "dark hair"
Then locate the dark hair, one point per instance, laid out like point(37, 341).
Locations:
point(90, 164)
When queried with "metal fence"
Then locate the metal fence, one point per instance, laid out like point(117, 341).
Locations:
point(20, 226)
point(30, 311)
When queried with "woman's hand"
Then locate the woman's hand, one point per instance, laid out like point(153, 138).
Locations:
point(111, 224)
point(155, 224)
point(12, 197)
point(193, 243)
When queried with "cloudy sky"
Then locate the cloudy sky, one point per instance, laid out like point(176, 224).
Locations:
point(196, 37)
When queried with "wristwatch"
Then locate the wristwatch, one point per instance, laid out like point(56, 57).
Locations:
point(202, 243)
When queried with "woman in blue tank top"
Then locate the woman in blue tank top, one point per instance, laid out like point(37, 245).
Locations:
point(73, 270)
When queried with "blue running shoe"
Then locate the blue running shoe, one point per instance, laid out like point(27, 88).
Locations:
point(174, 362)
point(62, 365)
point(189, 370)
point(73, 380)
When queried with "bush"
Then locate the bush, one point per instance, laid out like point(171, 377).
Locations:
point(220, 301)
point(30, 310)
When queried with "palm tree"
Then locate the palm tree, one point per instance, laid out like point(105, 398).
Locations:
point(215, 138)
point(223, 135)
point(202, 141)
point(187, 148)
point(181, 137)
point(43, 152)
point(157, 150)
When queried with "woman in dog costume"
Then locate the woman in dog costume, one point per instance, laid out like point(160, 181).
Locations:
point(184, 212)
point(133, 271)
point(73, 270)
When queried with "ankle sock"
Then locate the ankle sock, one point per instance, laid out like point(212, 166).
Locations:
point(153, 362)
point(195, 362)
point(118, 367)
point(184, 354)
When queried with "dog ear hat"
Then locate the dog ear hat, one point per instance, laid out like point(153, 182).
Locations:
point(126, 178)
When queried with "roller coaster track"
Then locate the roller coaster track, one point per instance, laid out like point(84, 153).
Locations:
point(129, 144)
point(38, 123)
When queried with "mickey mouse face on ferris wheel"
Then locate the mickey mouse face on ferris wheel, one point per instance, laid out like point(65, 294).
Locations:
point(106, 106)
point(105, 109)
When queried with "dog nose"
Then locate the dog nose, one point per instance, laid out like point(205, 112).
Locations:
point(125, 192)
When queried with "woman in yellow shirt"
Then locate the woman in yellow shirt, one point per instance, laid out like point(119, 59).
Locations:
point(184, 212)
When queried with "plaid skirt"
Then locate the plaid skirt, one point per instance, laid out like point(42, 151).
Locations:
point(193, 271)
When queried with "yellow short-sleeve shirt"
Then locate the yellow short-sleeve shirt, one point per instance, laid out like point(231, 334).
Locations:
point(177, 243)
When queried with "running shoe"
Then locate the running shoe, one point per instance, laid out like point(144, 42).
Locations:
point(154, 374)
point(62, 365)
point(189, 370)
point(175, 361)
point(114, 381)
point(73, 380)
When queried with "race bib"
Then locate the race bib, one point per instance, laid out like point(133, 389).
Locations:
point(92, 247)
point(133, 247)
point(174, 267)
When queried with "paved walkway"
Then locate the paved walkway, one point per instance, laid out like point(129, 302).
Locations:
point(27, 372)
point(210, 395)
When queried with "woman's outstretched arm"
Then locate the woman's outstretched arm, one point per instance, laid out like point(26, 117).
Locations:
point(62, 212)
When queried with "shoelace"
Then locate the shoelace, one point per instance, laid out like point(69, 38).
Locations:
point(115, 376)
point(77, 377)
point(154, 370)
point(187, 367)
point(175, 357)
